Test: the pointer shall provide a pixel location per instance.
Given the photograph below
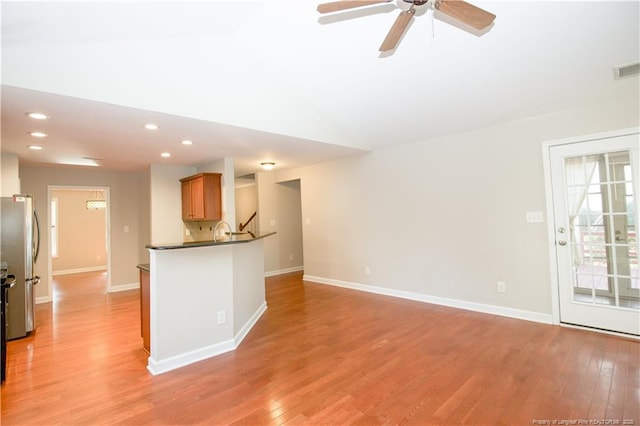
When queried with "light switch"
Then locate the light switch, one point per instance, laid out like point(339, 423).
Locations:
point(126, 229)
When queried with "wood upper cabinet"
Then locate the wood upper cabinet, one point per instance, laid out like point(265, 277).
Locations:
point(201, 197)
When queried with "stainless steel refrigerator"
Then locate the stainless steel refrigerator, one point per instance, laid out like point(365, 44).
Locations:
point(20, 244)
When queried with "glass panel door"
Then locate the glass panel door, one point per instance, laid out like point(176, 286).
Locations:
point(595, 210)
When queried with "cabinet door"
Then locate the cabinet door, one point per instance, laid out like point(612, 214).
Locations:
point(145, 322)
point(186, 201)
point(197, 198)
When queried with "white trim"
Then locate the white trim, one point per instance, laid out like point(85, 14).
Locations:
point(178, 361)
point(124, 287)
point(551, 220)
point(453, 303)
point(45, 299)
point(599, 330)
point(284, 271)
point(79, 270)
point(182, 360)
point(239, 337)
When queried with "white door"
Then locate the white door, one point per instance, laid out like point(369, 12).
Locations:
point(595, 212)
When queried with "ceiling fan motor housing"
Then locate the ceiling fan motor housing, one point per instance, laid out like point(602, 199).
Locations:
point(416, 2)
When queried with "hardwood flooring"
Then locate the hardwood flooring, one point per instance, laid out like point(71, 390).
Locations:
point(320, 355)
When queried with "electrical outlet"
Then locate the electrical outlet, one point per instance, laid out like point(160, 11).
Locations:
point(367, 270)
point(222, 317)
point(502, 287)
point(290, 257)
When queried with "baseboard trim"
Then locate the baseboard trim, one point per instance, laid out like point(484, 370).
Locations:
point(45, 299)
point(452, 303)
point(178, 361)
point(182, 360)
point(284, 271)
point(242, 333)
point(80, 270)
point(124, 287)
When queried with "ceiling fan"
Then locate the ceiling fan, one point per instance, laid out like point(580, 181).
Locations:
point(457, 9)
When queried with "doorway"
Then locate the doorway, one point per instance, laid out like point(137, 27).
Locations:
point(592, 187)
point(79, 242)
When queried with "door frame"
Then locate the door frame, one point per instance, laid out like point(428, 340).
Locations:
point(107, 194)
point(551, 232)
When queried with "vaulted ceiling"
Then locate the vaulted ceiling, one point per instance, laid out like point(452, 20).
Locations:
point(274, 80)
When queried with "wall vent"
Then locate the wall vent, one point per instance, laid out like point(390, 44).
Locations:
point(628, 70)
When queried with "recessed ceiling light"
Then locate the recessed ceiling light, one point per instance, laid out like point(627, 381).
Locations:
point(35, 147)
point(187, 142)
point(37, 115)
point(38, 134)
point(151, 126)
point(268, 165)
point(165, 155)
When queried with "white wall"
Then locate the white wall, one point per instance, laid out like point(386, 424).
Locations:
point(444, 218)
point(166, 203)
point(9, 176)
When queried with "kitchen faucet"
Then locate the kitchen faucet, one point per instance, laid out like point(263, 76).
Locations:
point(215, 231)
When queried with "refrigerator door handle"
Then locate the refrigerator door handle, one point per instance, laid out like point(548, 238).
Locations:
point(37, 244)
point(35, 280)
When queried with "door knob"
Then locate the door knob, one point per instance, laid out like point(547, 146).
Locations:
point(562, 243)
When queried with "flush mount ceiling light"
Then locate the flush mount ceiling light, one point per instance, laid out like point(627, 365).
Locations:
point(151, 126)
point(38, 134)
point(37, 115)
point(96, 201)
point(268, 165)
point(187, 142)
point(165, 155)
point(35, 147)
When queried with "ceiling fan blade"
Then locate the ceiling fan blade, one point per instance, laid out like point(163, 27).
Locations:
point(466, 13)
point(336, 6)
point(396, 31)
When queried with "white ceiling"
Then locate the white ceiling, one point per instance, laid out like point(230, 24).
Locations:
point(274, 80)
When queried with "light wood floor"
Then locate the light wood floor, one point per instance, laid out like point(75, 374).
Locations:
point(319, 355)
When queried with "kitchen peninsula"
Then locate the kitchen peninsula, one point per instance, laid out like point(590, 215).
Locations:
point(204, 298)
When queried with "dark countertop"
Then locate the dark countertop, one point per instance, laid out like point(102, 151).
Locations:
point(236, 238)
